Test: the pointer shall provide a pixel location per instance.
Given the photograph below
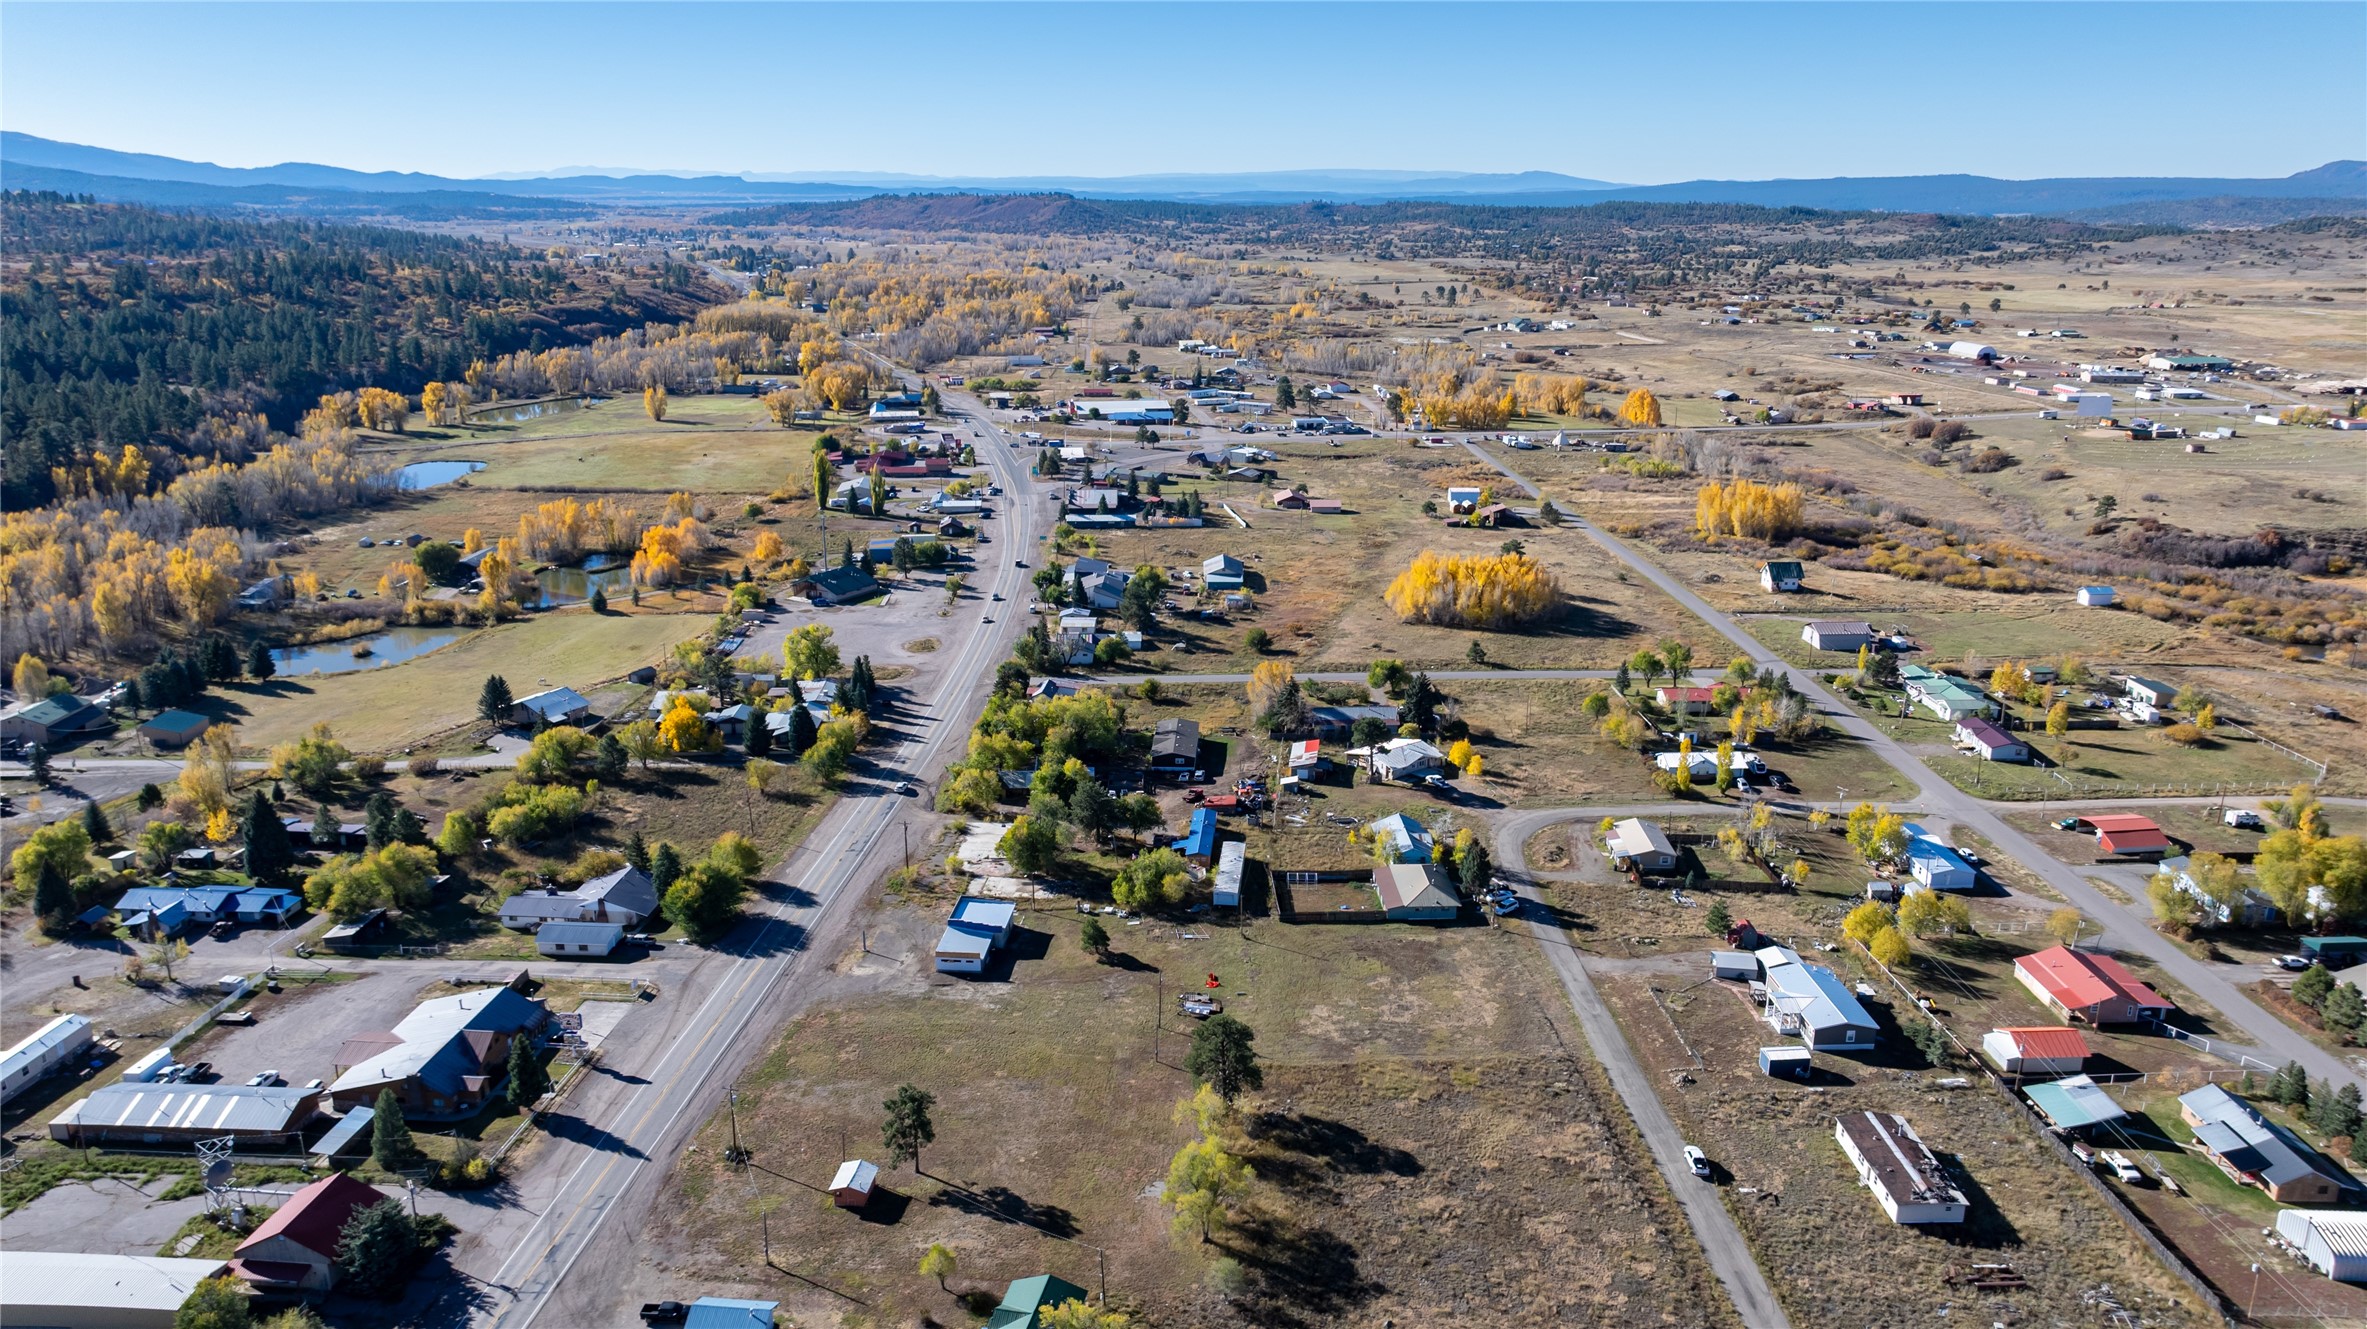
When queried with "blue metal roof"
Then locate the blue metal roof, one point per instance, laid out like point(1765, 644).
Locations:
point(1200, 840)
point(342, 1135)
point(730, 1313)
point(2074, 1103)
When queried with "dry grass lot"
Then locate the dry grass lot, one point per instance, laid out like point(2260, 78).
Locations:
point(1318, 580)
point(1426, 1148)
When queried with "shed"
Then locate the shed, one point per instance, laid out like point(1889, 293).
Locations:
point(174, 729)
point(2129, 835)
point(2074, 1104)
point(2334, 1243)
point(1782, 575)
point(2036, 1050)
point(1788, 1063)
point(1226, 884)
point(582, 941)
point(2335, 952)
point(1740, 965)
point(850, 1186)
point(2097, 597)
point(977, 928)
point(1826, 634)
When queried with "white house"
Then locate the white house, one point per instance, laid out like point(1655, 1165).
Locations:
point(2036, 1050)
point(1894, 1163)
point(1643, 844)
point(1936, 864)
point(1990, 742)
point(1404, 760)
point(1784, 575)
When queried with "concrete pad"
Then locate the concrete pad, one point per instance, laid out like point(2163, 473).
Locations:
point(106, 1217)
point(601, 1019)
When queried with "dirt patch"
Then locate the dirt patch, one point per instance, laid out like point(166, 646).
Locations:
point(921, 646)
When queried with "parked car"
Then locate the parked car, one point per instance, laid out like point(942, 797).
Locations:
point(2121, 1167)
point(1507, 908)
point(263, 1080)
point(2243, 820)
point(2295, 962)
point(1698, 1161)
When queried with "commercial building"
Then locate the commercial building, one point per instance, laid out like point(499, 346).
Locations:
point(51, 720)
point(1894, 1163)
point(70, 1290)
point(174, 729)
point(443, 1060)
point(2086, 985)
point(132, 1113)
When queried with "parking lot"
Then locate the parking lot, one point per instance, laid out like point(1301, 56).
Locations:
point(298, 1030)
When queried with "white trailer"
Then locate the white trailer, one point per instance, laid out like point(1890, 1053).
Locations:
point(51, 1047)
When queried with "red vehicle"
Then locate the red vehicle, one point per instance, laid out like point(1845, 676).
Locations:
point(1222, 802)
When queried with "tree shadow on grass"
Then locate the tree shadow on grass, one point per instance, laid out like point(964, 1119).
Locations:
point(1325, 1142)
point(1297, 1275)
point(1005, 1205)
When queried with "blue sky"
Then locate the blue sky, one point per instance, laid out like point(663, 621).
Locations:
point(1630, 93)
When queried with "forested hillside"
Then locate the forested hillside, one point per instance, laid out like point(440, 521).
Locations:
point(131, 326)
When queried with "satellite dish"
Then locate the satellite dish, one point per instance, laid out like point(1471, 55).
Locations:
point(217, 1174)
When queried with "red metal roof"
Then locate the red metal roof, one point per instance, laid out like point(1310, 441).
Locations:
point(2132, 841)
point(1688, 694)
point(2080, 979)
point(316, 1216)
point(2049, 1042)
point(2123, 821)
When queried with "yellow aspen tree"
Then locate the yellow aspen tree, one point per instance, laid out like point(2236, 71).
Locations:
point(1641, 408)
point(653, 400)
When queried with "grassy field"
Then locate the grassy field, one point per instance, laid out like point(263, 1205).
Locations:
point(1424, 1146)
point(384, 710)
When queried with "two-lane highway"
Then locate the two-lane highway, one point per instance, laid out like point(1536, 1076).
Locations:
point(732, 1007)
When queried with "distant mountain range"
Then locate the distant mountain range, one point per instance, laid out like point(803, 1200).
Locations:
point(28, 162)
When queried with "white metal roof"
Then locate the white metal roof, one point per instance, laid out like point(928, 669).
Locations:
point(1635, 836)
point(271, 1110)
point(854, 1174)
point(47, 1280)
point(58, 1031)
point(2343, 1230)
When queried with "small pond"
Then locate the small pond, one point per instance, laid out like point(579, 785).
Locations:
point(429, 474)
point(533, 410)
point(611, 573)
point(377, 650)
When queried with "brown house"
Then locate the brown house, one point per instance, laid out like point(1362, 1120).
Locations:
point(295, 1249)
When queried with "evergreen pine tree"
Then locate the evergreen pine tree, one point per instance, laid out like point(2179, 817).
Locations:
point(494, 702)
point(53, 898)
point(325, 828)
point(665, 866)
point(391, 1145)
point(260, 665)
point(637, 853)
point(802, 732)
point(528, 1080)
point(151, 798)
point(760, 736)
point(376, 1250)
point(94, 823)
point(37, 765)
point(378, 820)
point(270, 854)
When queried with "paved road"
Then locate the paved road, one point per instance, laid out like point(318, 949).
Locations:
point(731, 1009)
point(2125, 927)
point(1721, 1240)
